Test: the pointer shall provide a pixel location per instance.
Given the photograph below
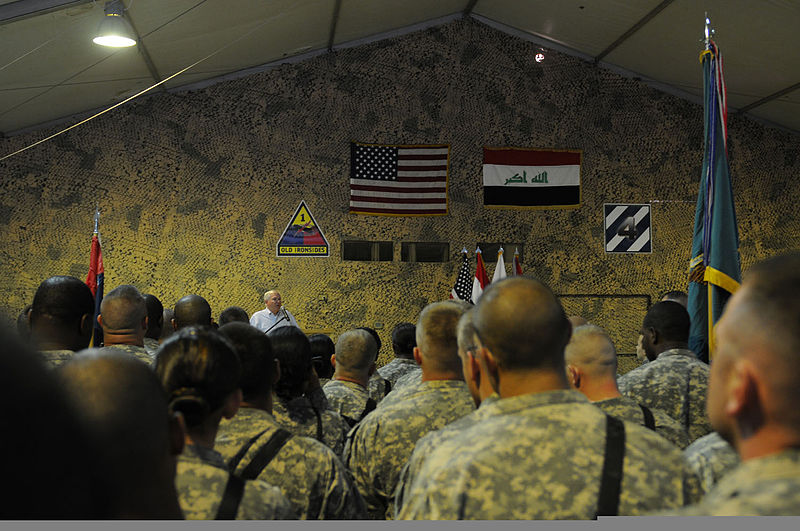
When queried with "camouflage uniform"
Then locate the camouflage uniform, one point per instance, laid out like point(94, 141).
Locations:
point(411, 377)
point(397, 368)
point(624, 408)
point(136, 351)
point(298, 416)
point(54, 358)
point(429, 443)
point(540, 456)
point(757, 487)
point(377, 387)
point(318, 399)
point(676, 382)
point(383, 441)
point(711, 457)
point(308, 473)
point(200, 481)
point(348, 399)
point(151, 346)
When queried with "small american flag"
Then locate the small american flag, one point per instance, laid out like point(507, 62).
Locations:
point(462, 291)
point(398, 180)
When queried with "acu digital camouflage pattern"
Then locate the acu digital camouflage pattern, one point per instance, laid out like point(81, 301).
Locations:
point(539, 457)
point(625, 408)
point(299, 416)
point(136, 351)
point(348, 399)
point(758, 487)
point(376, 387)
point(404, 387)
point(676, 382)
point(413, 376)
point(383, 441)
point(308, 473)
point(396, 368)
point(200, 481)
point(429, 443)
point(54, 358)
point(711, 457)
point(151, 346)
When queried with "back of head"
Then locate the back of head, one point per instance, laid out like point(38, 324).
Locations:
point(233, 314)
point(355, 351)
point(155, 316)
point(591, 349)
point(523, 324)
point(50, 470)
point(192, 310)
point(122, 402)
point(465, 332)
point(293, 352)
point(59, 303)
point(404, 339)
point(322, 348)
point(123, 308)
point(436, 336)
point(670, 320)
point(374, 334)
point(199, 369)
point(676, 296)
point(255, 354)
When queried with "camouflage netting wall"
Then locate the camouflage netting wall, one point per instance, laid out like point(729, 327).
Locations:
point(195, 188)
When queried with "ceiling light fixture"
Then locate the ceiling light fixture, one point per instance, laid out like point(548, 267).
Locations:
point(115, 30)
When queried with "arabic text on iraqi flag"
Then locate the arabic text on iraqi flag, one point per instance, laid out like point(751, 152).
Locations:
point(531, 178)
point(714, 269)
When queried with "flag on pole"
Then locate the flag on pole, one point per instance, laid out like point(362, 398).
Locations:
point(481, 279)
point(516, 269)
point(398, 180)
point(94, 279)
point(500, 268)
point(714, 268)
point(462, 290)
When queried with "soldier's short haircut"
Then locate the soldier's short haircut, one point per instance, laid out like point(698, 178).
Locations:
point(591, 349)
point(233, 314)
point(292, 349)
point(255, 354)
point(466, 331)
point(404, 339)
point(192, 310)
point(64, 299)
point(678, 296)
point(356, 350)
point(436, 335)
point(125, 408)
point(322, 348)
point(374, 334)
point(198, 369)
point(123, 308)
point(523, 324)
point(155, 312)
point(670, 319)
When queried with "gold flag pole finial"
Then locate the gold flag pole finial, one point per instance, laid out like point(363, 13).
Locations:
point(708, 31)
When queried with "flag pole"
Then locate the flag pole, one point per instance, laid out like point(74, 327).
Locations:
point(96, 219)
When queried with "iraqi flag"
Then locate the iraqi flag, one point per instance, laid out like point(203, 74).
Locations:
point(531, 178)
point(516, 269)
point(94, 279)
point(481, 279)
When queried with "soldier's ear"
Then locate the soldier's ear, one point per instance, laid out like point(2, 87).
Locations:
point(491, 368)
point(417, 356)
point(333, 361)
point(574, 376)
point(174, 324)
point(743, 400)
point(232, 403)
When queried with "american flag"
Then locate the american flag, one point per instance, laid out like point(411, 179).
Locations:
point(398, 180)
point(462, 291)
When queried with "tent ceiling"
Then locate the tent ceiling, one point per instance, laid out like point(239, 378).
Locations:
point(50, 70)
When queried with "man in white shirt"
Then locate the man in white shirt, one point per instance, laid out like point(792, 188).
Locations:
point(274, 315)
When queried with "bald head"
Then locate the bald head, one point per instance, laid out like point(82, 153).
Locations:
point(61, 315)
point(523, 324)
point(123, 309)
point(591, 350)
point(436, 337)
point(192, 310)
point(355, 351)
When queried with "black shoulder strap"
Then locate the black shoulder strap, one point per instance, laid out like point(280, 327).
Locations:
point(611, 482)
point(265, 454)
point(371, 404)
point(236, 459)
point(649, 420)
point(234, 490)
point(319, 424)
point(387, 387)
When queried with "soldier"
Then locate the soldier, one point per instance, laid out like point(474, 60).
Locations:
point(711, 457)
point(753, 394)
point(353, 364)
point(404, 339)
point(123, 318)
point(378, 387)
point(300, 405)
point(592, 369)
point(200, 372)
point(308, 473)
point(191, 310)
point(155, 324)
point(674, 380)
point(523, 332)
point(233, 314)
point(322, 348)
point(385, 438)
point(122, 403)
point(61, 318)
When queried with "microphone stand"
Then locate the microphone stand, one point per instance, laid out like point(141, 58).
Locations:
point(284, 317)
